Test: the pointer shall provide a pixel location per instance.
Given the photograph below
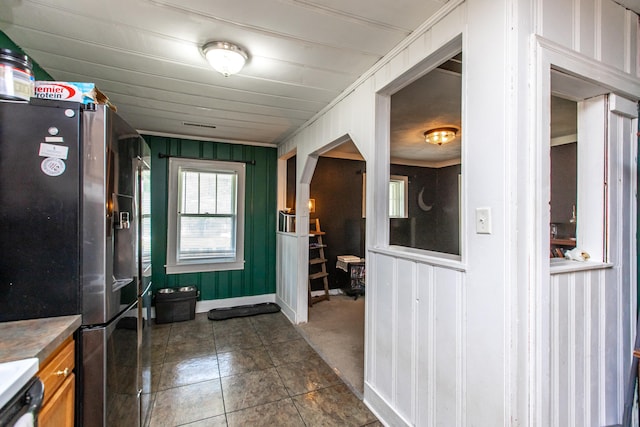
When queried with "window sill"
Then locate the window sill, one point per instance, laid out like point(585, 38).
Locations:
point(560, 266)
point(203, 267)
point(440, 259)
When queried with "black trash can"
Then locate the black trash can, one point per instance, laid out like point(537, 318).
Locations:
point(176, 304)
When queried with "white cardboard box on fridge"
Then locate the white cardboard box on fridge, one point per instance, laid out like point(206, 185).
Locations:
point(71, 91)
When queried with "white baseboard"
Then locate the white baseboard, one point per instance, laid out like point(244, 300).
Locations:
point(286, 310)
point(382, 409)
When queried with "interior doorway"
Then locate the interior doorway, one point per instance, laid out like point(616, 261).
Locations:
point(335, 326)
point(423, 206)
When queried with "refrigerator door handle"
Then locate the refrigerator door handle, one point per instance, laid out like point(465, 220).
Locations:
point(124, 223)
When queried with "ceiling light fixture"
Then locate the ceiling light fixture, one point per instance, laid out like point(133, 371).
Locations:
point(225, 57)
point(440, 136)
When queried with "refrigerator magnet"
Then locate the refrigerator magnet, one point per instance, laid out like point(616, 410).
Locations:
point(53, 166)
point(52, 150)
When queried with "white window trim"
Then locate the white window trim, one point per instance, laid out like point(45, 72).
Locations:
point(592, 210)
point(379, 188)
point(593, 207)
point(404, 179)
point(174, 266)
point(405, 195)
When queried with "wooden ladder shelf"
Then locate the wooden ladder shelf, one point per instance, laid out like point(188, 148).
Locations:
point(317, 261)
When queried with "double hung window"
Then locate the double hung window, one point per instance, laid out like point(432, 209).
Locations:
point(206, 216)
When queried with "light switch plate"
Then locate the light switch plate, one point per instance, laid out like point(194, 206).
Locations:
point(483, 220)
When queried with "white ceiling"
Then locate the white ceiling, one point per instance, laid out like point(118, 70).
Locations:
point(434, 100)
point(633, 5)
point(145, 56)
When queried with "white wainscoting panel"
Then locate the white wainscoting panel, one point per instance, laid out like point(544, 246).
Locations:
point(588, 364)
point(286, 273)
point(415, 353)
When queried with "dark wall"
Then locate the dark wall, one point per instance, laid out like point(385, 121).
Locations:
point(337, 188)
point(436, 229)
point(258, 276)
point(564, 186)
point(291, 183)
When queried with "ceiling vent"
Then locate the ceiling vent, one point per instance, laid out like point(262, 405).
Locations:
point(199, 125)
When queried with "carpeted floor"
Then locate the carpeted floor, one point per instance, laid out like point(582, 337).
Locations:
point(336, 331)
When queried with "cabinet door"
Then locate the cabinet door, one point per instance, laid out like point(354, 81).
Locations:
point(58, 411)
point(57, 368)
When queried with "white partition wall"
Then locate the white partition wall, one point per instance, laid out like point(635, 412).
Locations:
point(590, 319)
point(286, 277)
point(582, 325)
point(497, 337)
point(417, 334)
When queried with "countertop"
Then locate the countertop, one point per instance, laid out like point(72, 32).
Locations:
point(37, 338)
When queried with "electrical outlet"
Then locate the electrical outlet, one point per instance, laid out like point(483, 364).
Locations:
point(483, 220)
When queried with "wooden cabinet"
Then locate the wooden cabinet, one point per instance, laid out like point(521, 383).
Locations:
point(59, 387)
point(59, 410)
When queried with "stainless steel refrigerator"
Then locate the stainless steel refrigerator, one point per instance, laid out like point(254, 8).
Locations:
point(74, 239)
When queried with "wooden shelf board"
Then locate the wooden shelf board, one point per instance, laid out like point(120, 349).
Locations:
point(563, 242)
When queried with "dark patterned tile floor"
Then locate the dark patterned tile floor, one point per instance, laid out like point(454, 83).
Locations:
point(252, 371)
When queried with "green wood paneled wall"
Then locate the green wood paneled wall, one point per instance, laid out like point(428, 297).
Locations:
point(259, 274)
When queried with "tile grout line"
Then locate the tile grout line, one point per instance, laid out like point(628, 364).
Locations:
point(265, 334)
point(155, 395)
point(339, 373)
point(215, 347)
point(282, 381)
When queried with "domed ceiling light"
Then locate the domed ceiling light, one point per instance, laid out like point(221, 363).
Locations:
point(440, 136)
point(225, 57)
